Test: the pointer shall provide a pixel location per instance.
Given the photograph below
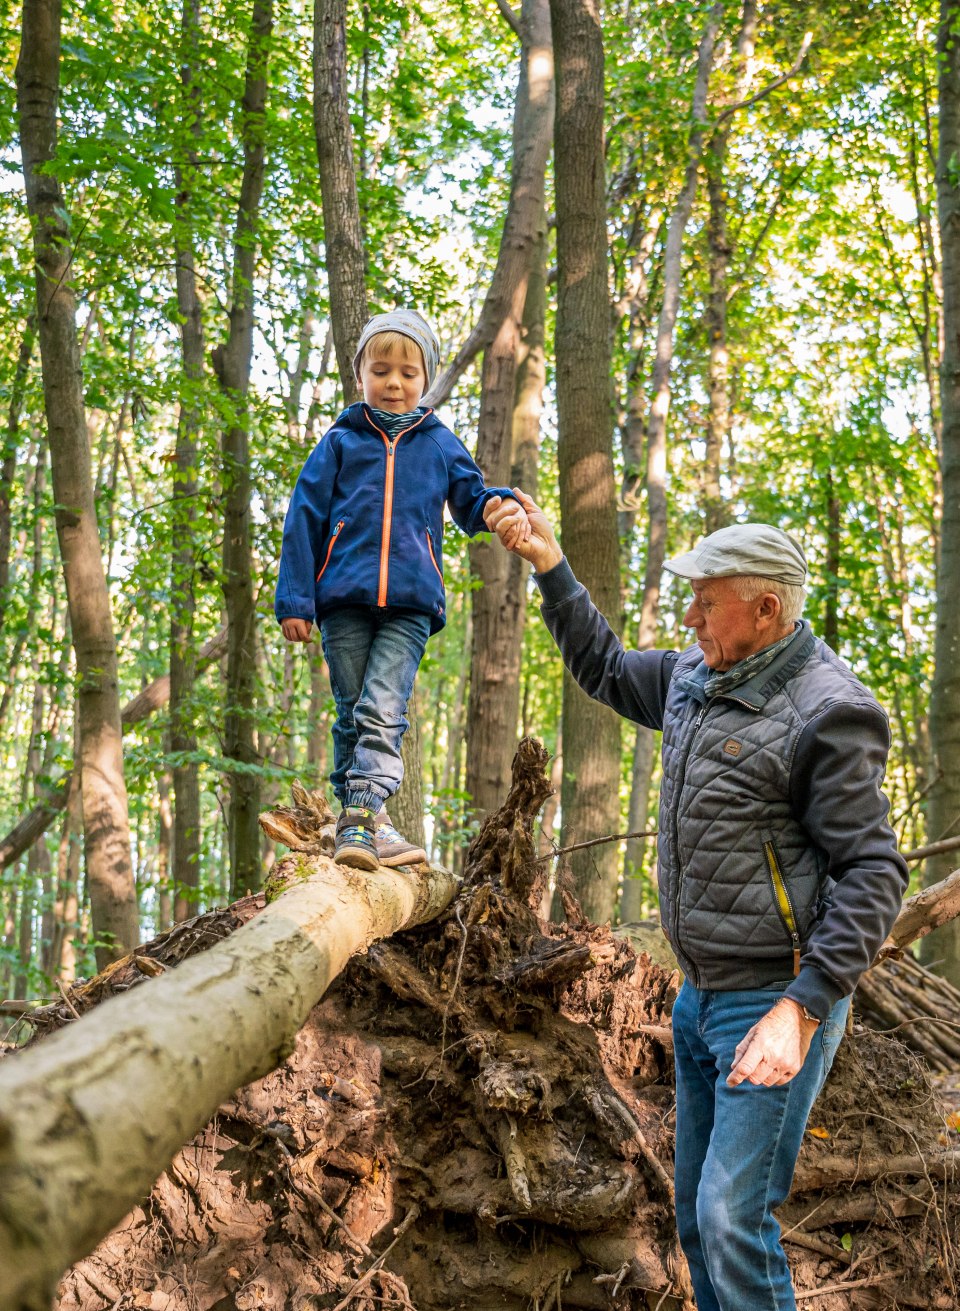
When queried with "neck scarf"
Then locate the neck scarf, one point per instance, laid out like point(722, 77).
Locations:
point(718, 682)
point(393, 423)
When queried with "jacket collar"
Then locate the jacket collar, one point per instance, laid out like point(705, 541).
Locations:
point(355, 416)
point(757, 691)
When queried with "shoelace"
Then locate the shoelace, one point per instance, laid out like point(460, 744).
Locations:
point(355, 831)
point(388, 833)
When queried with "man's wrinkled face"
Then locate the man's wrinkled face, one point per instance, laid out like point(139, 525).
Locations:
point(728, 629)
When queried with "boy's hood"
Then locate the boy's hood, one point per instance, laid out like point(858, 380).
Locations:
point(355, 416)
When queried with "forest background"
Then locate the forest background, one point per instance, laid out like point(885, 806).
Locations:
point(763, 331)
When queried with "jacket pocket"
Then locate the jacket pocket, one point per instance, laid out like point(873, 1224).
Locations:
point(330, 545)
point(433, 555)
point(781, 898)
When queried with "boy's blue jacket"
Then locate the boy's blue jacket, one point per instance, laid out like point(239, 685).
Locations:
point(365, 523)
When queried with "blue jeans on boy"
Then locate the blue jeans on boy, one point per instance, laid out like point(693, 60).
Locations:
point(737, 1148)
point(373, 656)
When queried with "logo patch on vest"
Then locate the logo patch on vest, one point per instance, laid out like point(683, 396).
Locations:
point(732, 747)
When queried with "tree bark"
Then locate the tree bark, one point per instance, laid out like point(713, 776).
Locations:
point(720, 248)
point(106, 825)
point(346, 278)
point(633, 429)
point(184, 846)
point(318, 717)
point(943, 813)
point(165, 890)
point(663, 360)
point(631, 896)
point(831, 605)
point(931, 908)
point(136, 1079)
point(343, 234)
point(531, 374)
point(499, 604)
point(233, 361)
point(590, 798)
point(62, 961)
point(406, 805)
point(11, 447)
point(656, 463)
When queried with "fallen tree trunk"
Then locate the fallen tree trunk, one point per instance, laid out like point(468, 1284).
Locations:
point(34, 824)
point(94, 1113)
point(926, 910)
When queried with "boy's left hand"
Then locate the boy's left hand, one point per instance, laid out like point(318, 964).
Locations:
point(511, 524)
point(296, 630)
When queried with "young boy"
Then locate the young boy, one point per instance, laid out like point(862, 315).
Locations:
point(362, 554)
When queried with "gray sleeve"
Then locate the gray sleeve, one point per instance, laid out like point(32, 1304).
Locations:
point(633, 683)
point(836, 794)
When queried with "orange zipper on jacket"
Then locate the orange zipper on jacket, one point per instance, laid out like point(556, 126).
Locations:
point(432, 556)
point(388, 502)
point(336, 534)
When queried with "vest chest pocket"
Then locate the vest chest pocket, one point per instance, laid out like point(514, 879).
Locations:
point(781, 898)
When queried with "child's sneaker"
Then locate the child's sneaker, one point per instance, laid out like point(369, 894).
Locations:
point(355, 842)
point(392, 848)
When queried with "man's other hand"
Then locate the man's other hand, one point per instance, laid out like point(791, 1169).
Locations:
point(541, 547)
point(773, 1051)
point(296, 630)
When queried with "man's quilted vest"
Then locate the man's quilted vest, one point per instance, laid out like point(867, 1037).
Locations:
point(741, 883)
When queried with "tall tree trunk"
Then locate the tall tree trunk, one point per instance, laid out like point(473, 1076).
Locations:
point(184, 851)
point(499, 604)
point(451, 819)
point(11, 447)
point(531, 377)
point(318, 717)
point(641, 773)
point(165, 894)
point(590, 798)
point(943, 813)
point(233, 362)
point(831, 606)
point(106, 825)
point(720, 249)
point(63, 959)
point(406, 806)
point(346, 277)
point(633, 430)
point(21, 979)
point(663, 361)
point(343, 235)
point(656, 464)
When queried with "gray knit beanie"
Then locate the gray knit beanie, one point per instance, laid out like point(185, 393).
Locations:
point(410, 324)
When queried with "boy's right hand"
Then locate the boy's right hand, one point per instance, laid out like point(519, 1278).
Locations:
point(296, 630)
point(541, 548)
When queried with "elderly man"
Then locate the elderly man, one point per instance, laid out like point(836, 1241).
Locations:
point(778, 871)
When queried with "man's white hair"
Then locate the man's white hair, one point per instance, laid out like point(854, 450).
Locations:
point(748, 587)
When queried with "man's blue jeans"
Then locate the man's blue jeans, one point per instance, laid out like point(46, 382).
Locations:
point(737, 1148)
point(373, 656)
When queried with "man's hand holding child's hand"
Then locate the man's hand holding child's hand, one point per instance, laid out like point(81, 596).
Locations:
point(296, 630)
point(538, 544)
point(511, 524)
